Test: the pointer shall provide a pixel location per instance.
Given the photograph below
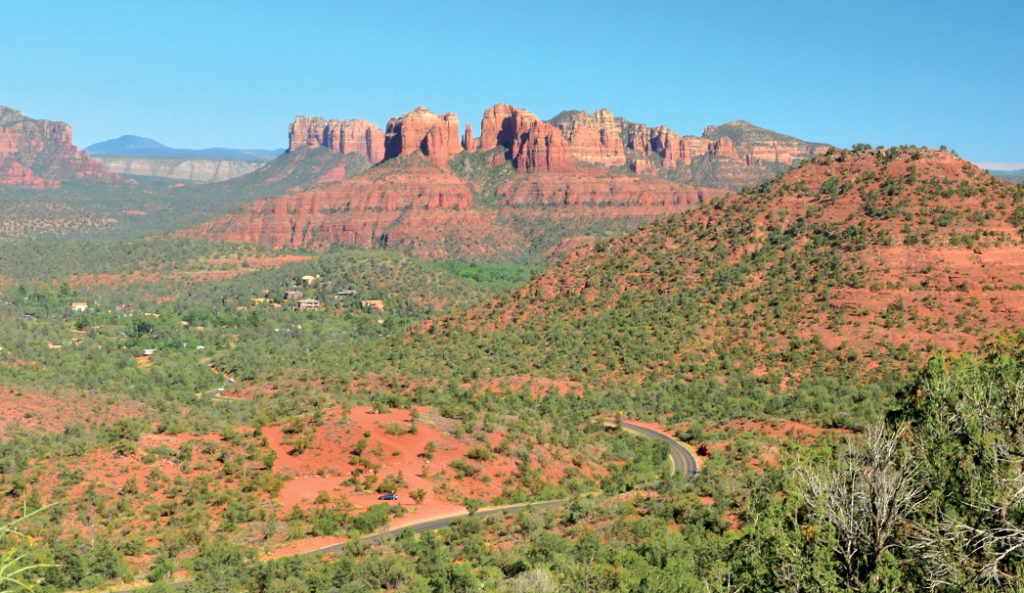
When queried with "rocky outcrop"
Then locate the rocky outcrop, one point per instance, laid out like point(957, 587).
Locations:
point(531, 144)
point(672, 147)
point(39, 153)
point(542, 148)
point(357, 211)
point(194, 170)
point(595, 187)
point(502, 125)
point(437, 137)
point(421, 200)
point(593, 138)
point(724, 146)
point(755, 146)
point(468, 141)
point(641, 167)
point(344, 137)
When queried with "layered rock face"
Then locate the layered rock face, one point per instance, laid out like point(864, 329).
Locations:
point(502, 125)
point(594, 138)
point(543, 182)
point(724, 146)
point(39, 153)
point(437, 137)
point(532, 145)
point(593, 187)
point(542, 148)
point(756, 146)
point(194, 170)
point(344, 137)
point(357, 211)
point(672, 147)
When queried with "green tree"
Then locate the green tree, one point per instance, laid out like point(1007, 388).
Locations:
point(969, 414)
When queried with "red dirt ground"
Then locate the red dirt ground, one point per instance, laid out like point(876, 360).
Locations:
point(326, 463)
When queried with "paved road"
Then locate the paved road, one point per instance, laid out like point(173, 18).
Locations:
point(682, 458)
point(435, 524)
point(429, 525)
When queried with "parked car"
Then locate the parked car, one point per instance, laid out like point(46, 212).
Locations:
point(388, 496)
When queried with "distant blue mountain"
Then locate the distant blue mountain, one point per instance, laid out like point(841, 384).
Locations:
point(147, 147)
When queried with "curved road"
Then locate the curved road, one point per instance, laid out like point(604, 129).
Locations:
point(681, 457)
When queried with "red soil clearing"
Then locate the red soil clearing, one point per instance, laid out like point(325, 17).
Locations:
point(327, 463)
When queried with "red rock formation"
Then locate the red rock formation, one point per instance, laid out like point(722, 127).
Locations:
point(659, 140)
point(595, 187)
point(436, 137)
point(542, 148)
point(638, 137)
point(502, 125)
point(413, 202)
point(355, 211)
point(724, 146)
point(306, 131)
point(345, 137)
point(39, 153)
point(670, 146)
point(531, 144)
point(641, 167)
point(594, 138)
point(443, 140)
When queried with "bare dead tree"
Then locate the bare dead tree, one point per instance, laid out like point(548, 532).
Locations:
point(867, 496)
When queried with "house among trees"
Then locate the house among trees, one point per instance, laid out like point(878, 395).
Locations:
point(79, 306)
point(308, 304)
point(292, 294)
point(372, 304)
point(308, 280)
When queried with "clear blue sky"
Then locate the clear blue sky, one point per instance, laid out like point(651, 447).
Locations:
point(200, 74)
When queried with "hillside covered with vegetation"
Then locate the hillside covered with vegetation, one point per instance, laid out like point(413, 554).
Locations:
point(841, 339)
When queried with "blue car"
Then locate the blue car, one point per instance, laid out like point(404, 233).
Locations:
point(388, 496)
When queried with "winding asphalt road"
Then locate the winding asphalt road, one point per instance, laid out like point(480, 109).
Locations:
point(681, 457)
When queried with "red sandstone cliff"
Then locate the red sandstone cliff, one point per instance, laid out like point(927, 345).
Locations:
point(502, 125)
point(594, 138)
point(542, 148)
point(437, 137)
point(672, 147)
point(531, 144)
point(753, 145)
point(345, 137)
point(724, 146)
point(595, 187)
point(468, 142)
point(356, 211)
point(39, 153)
point(413, 201)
